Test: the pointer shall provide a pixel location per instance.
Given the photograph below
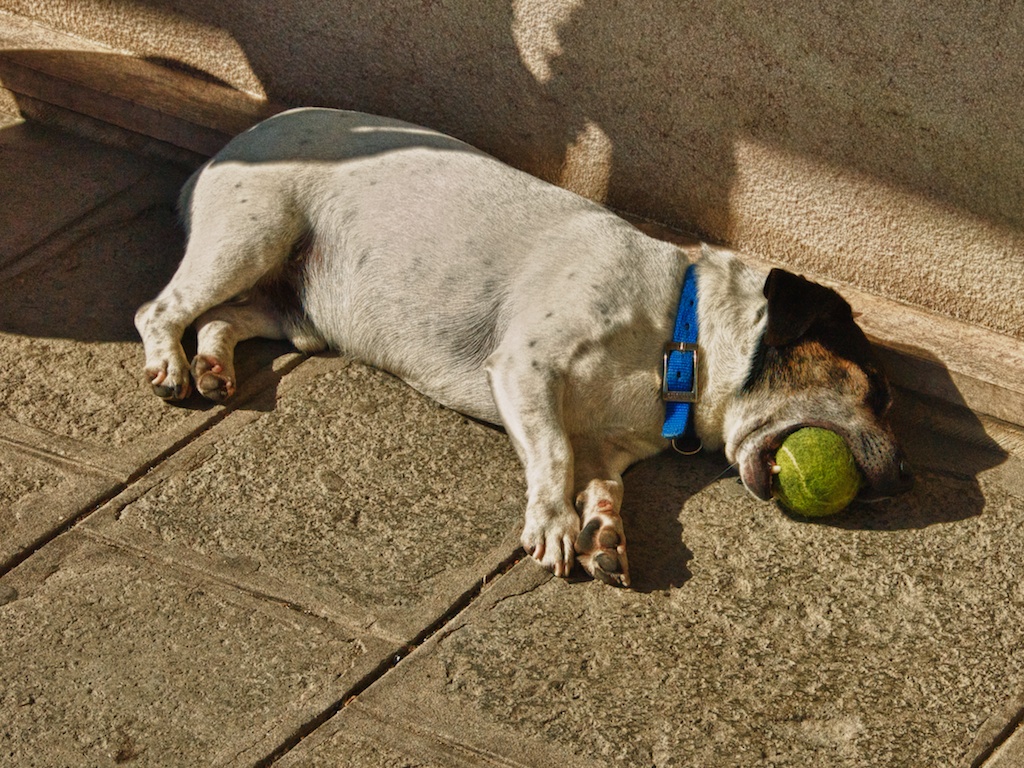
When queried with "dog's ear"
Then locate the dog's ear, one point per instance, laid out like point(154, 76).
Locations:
point(795, 304)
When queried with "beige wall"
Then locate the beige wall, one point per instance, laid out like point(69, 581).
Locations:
point(877, 143)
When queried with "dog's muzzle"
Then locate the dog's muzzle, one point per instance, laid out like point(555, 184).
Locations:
point(882, 464)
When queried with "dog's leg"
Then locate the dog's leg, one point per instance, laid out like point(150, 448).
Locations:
point(231, 247)
point(601, 545)
point(166, 367)
point(194, 289)
point(530, 408)
point(219, 330)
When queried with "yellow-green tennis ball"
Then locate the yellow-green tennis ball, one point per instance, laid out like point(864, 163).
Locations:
point(818, 475)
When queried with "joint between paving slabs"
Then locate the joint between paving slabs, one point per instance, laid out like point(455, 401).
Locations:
point(59, 530)
point(1004, 735)
point(438, 627)
point(174, 563)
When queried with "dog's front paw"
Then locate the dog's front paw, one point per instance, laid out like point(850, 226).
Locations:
point(550, 538)
point(601, 547)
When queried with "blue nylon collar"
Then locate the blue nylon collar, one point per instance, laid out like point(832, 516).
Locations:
point(679, 383)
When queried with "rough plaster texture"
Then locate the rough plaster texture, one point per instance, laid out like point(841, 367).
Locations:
point(874, 143)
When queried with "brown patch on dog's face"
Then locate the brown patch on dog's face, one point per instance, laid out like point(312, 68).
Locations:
point(815, 367)
point(810, 363)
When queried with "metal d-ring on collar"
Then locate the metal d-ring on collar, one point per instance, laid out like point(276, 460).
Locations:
point(691, 448)
point(680, 381)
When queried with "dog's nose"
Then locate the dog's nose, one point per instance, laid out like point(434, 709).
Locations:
point(904, 477)
point(899, 479)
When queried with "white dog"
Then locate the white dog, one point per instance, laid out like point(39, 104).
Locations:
point(515, 302)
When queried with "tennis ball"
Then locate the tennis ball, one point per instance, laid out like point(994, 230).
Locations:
point(817, 474)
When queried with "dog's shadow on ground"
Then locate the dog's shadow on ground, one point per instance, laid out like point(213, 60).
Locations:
point(656, 489)
point(946, 443)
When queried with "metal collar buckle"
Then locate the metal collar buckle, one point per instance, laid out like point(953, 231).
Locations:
point(679, 395)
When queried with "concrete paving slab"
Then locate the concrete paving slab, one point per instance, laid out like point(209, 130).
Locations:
point(109, 659)
point(39, 493)
point(231, 599)
point(351, 495)
point(69, 353)
point(68, 323)
point(886, 637)
point(1010, 754)
point(368, 737)
point(64, 371)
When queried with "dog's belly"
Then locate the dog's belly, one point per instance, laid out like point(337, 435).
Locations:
point(418, 280)
point(394, 341)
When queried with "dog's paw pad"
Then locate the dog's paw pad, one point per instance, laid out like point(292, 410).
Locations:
point(597, 534)
point(601, 550)
point(212, 381)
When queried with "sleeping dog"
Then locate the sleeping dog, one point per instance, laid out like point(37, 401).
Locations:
point(517, 303)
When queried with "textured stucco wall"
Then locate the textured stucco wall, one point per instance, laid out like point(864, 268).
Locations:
point(876, 143)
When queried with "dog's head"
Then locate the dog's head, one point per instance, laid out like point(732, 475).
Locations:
point(814, 367)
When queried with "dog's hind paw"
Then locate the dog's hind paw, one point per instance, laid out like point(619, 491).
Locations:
point(601, 550)
point(168, 382)
point(212, 379)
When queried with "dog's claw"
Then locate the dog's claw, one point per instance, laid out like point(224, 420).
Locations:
point(607, 567)
point(551, 545)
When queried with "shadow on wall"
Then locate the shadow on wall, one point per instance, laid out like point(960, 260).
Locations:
point(642, 103)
